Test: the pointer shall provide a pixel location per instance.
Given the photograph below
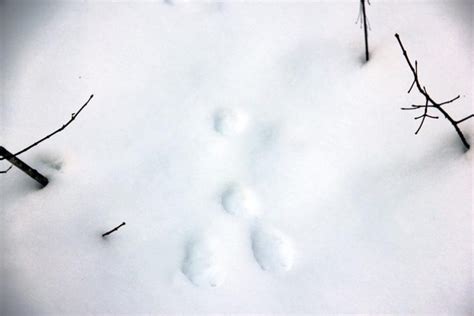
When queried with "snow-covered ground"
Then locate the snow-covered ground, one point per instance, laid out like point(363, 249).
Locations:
point(260, 165)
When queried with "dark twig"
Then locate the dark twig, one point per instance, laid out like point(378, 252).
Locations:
point(6, 170)
point(416, 71)
point(111, 231)
point(428, 116)
point(425, 113)
point(446, 102)
point(430, 103)
point(20, 164)
point(465, 119)
point(73, 117)
point(366, 35)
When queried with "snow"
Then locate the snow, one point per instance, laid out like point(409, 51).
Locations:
point(240, 201)
point(260, 165)
point(229, 122)
point(202, 265)
point(272, 249)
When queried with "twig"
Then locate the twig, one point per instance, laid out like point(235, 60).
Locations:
point(446, 102)
point(6, 170)
point(73, 117)
point(111, 231)
point(430, 103)
point(425, 113)
point(416, 71)
point(464, 119)
point(366, 36)
point(20, 164)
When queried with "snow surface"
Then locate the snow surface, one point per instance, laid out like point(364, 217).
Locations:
point(260, 165)
point(272, 249)
point(229, 121)
point(202, 264)
point(240, 201)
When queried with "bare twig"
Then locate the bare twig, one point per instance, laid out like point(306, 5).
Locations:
point(6, 170)
point(416, 71)
point(446, 102)
point(73, 117)
point(430, 103)
point(366, 35)
point(423, 116)
point(111, 231)
point(465, 119)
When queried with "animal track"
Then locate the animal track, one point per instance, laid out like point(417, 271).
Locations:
point(272, 249)
point(51, 160)
point(229, 122)
point(202, 264)
point(240, 201)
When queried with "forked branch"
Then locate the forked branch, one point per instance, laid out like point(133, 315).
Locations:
point(430, 103)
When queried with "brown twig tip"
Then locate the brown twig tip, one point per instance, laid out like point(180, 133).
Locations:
point(111, 231)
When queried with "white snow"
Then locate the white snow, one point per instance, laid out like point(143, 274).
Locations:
point(260, 165)
point(240, 201)
point(202, 264)
point(229, 121)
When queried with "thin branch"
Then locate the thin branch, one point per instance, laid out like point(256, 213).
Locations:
point(366, 36)
point(465, 119)
point(111, 231)
point(359, 16)
point(429, 101)
point(73, 117)
point(6, 170)
point(428, 116)
point(446, 102)
point(414, 80)
point(424, 115)
point(417, 106)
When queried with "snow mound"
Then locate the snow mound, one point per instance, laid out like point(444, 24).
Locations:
point(202, 264)
point(272, 249)
point(229, 122)
point(241, 201)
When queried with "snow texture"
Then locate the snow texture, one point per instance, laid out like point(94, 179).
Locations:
point(272, 249)
point(241, 201)
point(261, 166)
point(202, 264)
point(230, 122)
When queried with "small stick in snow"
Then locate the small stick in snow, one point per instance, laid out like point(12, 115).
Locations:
point(429, 102)
point(111, 231)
